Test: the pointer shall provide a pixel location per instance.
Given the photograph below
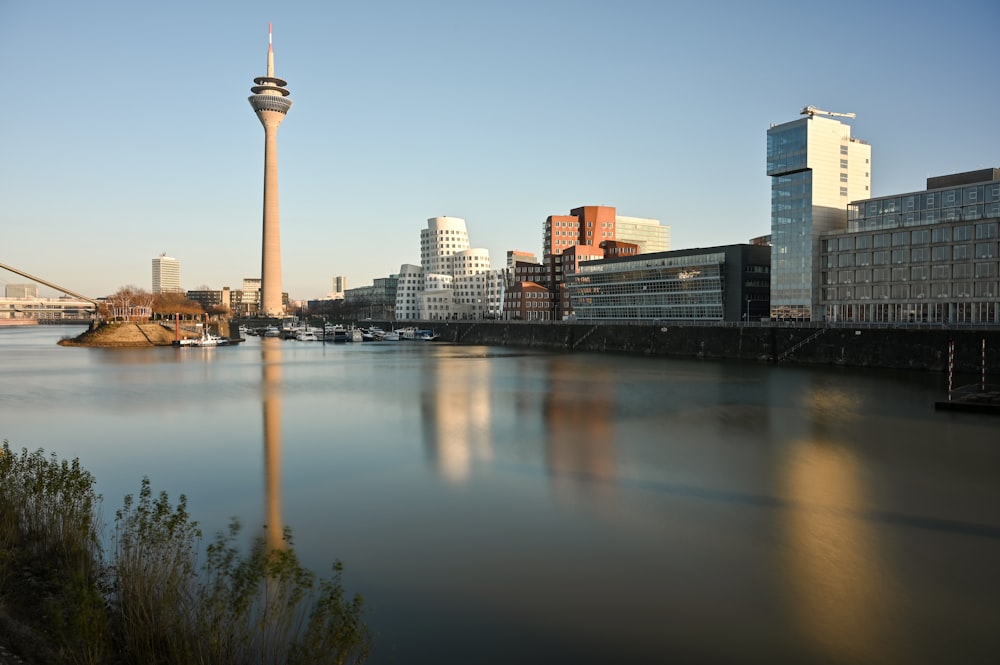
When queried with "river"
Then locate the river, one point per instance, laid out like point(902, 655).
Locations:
point(497, 505)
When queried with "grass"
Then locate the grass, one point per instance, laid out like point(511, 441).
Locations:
point(150, 601)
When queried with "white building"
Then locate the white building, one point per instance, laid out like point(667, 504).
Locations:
point(816, 169)
point(166, 274)
point(451, 281)
point(408, 288)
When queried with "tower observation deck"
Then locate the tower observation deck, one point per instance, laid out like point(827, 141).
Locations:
point(270, 102)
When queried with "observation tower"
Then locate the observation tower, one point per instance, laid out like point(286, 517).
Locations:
point(270, 102)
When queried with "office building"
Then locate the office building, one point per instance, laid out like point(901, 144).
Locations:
point(650, 236)
point(166, 275)
point(339, 287)
point(816, 169)
point(590, 232)
point(727, 283)
point(270, 102)
point(928, 256)
point(451, 280)
point(377, 301)
point(28, 290)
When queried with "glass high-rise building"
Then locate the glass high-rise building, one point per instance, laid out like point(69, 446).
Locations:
point(816, 169)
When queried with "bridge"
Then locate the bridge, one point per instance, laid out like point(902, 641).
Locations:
point(46, 308)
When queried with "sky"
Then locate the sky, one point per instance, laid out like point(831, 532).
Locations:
point(127, 134)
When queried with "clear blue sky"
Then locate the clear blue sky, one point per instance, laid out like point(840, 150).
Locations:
point(127, 132)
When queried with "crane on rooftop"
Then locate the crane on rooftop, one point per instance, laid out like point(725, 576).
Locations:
point(812, 110)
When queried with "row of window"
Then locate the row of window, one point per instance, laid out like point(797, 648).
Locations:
point(927, 217)
point(984, 231)
point(921, 312)
point(966, 252)
point(912, 273)
point(915, 291)
point(949, 198)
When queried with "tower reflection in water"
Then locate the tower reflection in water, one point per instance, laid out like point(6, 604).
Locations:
point(840, 591)
point(271, 403)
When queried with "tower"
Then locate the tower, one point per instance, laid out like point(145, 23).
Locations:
point(270, 102)
point(816, 169)
point(166, 274)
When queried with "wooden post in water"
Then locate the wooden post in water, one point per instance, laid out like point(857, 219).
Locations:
point(982, 368)
point(951, 365)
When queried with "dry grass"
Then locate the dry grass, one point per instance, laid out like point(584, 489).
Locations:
point(124, 335)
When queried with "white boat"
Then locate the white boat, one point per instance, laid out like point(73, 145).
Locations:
point(306, 336)
point(206, 339)
point(354, 335)
point(337, 333)
point(391, 336)
point(272, 331)
point(406, 333)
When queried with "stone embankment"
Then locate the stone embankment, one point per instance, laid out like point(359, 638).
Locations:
point(903, 347)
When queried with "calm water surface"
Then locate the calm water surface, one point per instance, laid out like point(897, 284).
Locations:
point(501, 506)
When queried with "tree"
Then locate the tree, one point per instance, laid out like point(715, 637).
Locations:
point(129, 303)
point(168, 304)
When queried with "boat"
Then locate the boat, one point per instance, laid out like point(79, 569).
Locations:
point(426, 335)
point(355, 335)
point(372, 334)
point(391, 336)
point(406, 333)
point(272, 331)
point(336, 333)
point(206, 339)
point(306, 336)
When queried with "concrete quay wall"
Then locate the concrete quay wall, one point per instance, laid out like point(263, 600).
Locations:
point(890, 348)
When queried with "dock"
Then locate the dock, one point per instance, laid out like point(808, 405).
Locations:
point(977, 398)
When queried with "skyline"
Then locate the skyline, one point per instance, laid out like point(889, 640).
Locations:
point(499, 114)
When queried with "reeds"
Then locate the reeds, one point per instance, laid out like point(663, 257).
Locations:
point(152, 603)
point(51, 568)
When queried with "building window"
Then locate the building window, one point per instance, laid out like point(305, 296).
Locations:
point(984, 231)
point(942, 234)
point(843, 191)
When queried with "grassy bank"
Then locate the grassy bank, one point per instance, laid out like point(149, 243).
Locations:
point(154, 598)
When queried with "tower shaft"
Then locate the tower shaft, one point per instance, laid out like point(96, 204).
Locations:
point(270, 267)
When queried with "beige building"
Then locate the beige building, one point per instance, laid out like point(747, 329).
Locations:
point(648, 234)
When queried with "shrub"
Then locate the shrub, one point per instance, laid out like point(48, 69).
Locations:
point(152, 604)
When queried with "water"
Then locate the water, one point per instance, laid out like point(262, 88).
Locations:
point(496, 506)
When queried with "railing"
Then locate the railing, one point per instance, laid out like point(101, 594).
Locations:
point(788, 352)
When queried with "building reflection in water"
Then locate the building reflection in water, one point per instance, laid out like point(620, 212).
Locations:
point(579, 432)
point(839, 589)
point(271, 403)
point(456, 415)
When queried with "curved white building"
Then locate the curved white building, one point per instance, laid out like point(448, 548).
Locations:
point(452, 275)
